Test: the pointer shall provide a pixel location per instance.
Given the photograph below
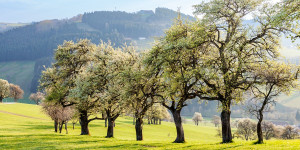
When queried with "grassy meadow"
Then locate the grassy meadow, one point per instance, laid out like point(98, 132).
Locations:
point(18, 72)
point(25, 126)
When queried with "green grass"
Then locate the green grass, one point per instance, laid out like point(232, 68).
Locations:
point(18, 132)
point(18, 72)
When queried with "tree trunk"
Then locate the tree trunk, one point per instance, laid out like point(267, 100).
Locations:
point(159, 121)
point(55, 125)
point(259, 130)
point(148, 120)
point(151, 121)
point(60, 126)
point(1, 99)
point(110, 129)
point(105, 122)
point(73, 125)
point(179, 128)
point(139, 129)
point(84, 123)
point(226, 129)
point(66, 127)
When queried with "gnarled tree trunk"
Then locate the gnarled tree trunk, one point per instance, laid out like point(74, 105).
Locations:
point(139, 129)
point(179, 128)
point(111, 123)
point(110, 129)
point(226, 129)
point(84, 123)
point(259, 130)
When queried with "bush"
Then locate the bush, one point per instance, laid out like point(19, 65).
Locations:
point(268, 129)
point(290, 132)
point(246, 129)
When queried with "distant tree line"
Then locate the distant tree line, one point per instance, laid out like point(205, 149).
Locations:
point(38, 40)
point(133, 25)
point(246, 130)
point(29, 43)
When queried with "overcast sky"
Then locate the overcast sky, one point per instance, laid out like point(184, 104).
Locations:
point(13, 11)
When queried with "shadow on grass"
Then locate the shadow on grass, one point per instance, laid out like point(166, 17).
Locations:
point(258, 143)
point(37, 126)
point(122, 146)
point(57, 141)
point(48, 141)
point(231, 147)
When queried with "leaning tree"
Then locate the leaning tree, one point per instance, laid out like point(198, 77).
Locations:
point(275, 79)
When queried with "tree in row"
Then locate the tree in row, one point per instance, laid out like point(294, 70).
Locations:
point(217, 57)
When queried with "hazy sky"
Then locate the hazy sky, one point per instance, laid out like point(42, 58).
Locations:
point(25, 11)
point(36, 10)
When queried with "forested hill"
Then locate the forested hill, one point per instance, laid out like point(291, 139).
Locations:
point(38, 40)
point(35, 42)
